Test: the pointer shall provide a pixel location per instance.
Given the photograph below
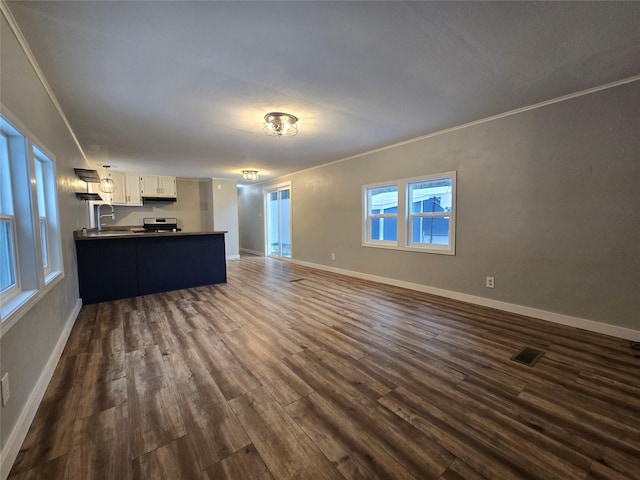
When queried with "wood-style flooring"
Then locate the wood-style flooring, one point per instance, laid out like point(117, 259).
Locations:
point(287, 372)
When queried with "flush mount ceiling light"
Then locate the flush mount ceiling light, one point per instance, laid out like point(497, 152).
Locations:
point(278, 124)
point(251, 175)
point(106, 184)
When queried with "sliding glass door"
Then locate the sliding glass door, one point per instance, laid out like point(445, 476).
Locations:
point(278, 221)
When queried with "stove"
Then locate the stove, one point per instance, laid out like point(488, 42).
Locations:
point(165, 224)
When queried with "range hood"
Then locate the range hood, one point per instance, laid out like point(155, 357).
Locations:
point(159, 199)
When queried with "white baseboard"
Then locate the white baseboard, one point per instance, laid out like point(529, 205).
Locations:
point(233, 257)
point(583, 323)
point(253, 252)
point(19, 432)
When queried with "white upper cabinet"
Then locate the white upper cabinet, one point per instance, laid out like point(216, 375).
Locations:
point(158, 186)
point(119, 194)
point(133, 189)
point(126, 192)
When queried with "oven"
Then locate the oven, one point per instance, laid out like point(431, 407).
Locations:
point(160, 224)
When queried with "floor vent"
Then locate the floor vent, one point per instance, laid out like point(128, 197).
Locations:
point(528, 356)
point(296, 280)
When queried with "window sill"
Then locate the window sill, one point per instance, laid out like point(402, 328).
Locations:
point(14, 309)
point(437, 251)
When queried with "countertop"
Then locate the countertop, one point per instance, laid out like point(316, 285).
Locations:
point(106, 234)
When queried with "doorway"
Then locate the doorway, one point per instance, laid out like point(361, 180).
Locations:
point(278, 221)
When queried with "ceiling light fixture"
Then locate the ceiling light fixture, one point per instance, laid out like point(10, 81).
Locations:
point(278, 124)
point(106, 184)
point(251, 175)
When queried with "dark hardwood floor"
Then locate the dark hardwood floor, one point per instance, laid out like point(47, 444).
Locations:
point(292, 373)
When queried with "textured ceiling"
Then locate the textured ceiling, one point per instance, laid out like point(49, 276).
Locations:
point(181, 88)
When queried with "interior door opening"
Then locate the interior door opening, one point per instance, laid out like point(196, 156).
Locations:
point(278, 222)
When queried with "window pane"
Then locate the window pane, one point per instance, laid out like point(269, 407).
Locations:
point(430, 231)
point(431, 196)
point(40, 189)
point(43, 237)
point(384, 229)
point(6, 203)
point(7, 270)
point(383, 200)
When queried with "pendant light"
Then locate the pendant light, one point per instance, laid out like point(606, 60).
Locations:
point(106, 184)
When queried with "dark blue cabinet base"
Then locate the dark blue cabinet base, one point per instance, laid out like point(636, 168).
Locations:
point(115, 268)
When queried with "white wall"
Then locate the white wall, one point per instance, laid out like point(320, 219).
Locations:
point(225, 214)
point(547, 204)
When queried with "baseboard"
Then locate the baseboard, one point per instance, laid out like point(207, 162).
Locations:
point(19, 432)
point(252, 252)
point(233, 257)
point(583, 323)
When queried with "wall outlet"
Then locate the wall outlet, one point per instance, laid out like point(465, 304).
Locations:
point(4, 385)
point(333, 256)
point(491, 283)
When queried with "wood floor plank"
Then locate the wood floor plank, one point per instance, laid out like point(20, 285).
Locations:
point(526, 447)
point(137, 332)
point(245, 464)
point(153, 402)
point(82, 333)
point(230, 374)
point(458, 470)
point(214, 432)
point(101, 447)
point(286, 450)
point(51, 432)
point(551, 425)
point(358, 401)
point(171, 461)
point(51, 470)
point(353, 450)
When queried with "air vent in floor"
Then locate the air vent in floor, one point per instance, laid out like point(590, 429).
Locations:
point(528, 356)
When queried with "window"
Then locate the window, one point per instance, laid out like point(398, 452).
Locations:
point(382, 214)
point(46, 203)
point(415, 214)
point(30, 255)
point(430, 212)
point(9, 281)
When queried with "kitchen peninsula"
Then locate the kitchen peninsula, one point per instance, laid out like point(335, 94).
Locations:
point(124, 264)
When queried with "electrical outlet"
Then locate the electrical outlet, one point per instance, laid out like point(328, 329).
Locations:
point(4, 385)
point(333, 256)
point(490, 282)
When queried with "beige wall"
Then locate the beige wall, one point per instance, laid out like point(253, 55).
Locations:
point(26, 347)
point(547, 204)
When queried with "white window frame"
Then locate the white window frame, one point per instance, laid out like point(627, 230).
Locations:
point(11, 292)
point(48, 243)
point(33, 280)
point(405, 216)
point(450, 214)
point(369, 217)
point(9, 217)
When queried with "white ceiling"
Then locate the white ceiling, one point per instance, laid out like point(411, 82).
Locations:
point(181, 88)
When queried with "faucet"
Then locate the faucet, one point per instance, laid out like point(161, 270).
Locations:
point(112, 215)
